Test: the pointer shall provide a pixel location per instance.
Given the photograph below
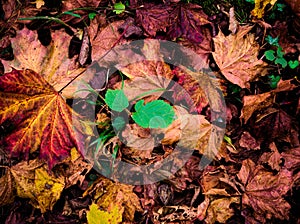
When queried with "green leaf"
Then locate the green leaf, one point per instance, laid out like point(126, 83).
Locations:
point(119, 8)
point(96, 216)
point(72, 14)
point(293, 64)
point(281, 61)
point(116, 99)
point(279, 52)
point(280, 7)
point(155, 114)
point(118, 123)
point(92, 15)
point(270, 55)
point(274, 81)
point(272, 41)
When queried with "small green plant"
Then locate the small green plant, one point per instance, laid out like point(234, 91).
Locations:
point(119, 8)
point(273, 80)
point(278, 56)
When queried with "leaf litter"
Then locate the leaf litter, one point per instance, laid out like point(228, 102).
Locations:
point(253, 179)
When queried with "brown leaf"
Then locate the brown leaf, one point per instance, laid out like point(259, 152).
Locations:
point(248, 142)
point(51, 62)
point(264, 191)
point(39, 116)
point(7, 188)
point(34, 182)
point(292, 158)
point(236, 56)
point(219, 210)
point(273, 158)
point(106, 192)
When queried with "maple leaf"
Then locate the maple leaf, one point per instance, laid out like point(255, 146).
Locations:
point(107, 192)
point(236, 56)
point(264, 191)
point(39, 116)
point(51, 62)
point(95, 216)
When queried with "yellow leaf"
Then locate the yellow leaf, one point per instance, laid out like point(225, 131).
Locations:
point(34, 182)
point(260, 6)
point(96, 216)
point(39, 3)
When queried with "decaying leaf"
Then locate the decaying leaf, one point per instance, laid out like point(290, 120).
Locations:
point(36, 116)
point(7, 188)
point(260, 6)
point(33, 181)
point(273, 158)
point(264, 191)
point(96, 216)
point(219, 210)
point(107, 192)
point(292, 158)
point(248, 142)
point(51, 62)
point(236, 55)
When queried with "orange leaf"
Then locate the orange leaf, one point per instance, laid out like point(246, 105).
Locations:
point(38, 116)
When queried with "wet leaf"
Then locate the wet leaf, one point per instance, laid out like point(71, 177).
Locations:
point(38, 117)
point(236, 55)
point(96, 216)
point(34, 181)
point(264, 191)
point(260, 6)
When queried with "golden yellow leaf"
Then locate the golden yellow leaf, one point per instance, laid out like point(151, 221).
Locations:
point(34, 181)
point(112, 216)
point(260, 6)
point(236, 56)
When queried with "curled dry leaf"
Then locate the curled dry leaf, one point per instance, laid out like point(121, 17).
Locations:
point(34, 181)
point(264, 191)
point(51, 62)
point(105, 192)
point(273, 158)
point(292, 158)
point(248, 142)
point(260, 6)
point(236, 56)
point(39, 116)
point(7, 188)
point(219, 210)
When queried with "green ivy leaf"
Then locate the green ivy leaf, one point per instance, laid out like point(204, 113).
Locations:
point(155, 114)
point(119, 8)
point(116, 99)
point(270, 55)
point(293, 64)
point(281, 61)
point(272, 41)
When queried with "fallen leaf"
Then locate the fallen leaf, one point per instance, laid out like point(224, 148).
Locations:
point(36, 116)
point(264, 191)
point(96, 216)
point(219, 210)
point(7, 188)
point(260, 6)
point(106, 192)
point(51, 62)
point(248, 142)
point(273, 158)
point(292, 158)
point(236, 55)
point(34, 181)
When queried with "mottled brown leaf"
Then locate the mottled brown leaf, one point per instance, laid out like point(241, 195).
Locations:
point(273, 158)
point(264, 191)
point(7, 188)
point(292, 158)
point(236, 55)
